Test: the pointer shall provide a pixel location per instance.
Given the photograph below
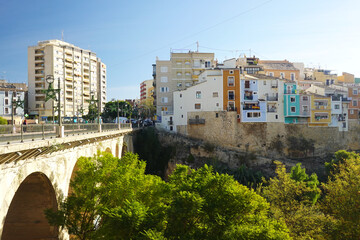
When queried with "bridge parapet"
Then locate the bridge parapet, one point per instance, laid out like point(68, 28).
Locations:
point(30, 149)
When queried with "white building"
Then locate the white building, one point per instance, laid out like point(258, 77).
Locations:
point(204, 96)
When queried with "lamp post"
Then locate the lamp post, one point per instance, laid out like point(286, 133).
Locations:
point(51, 94)
point(15, 105)
point(93, 102)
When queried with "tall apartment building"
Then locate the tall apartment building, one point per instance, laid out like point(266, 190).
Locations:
point(178, 73)
point(146, 89)
point(81, 74)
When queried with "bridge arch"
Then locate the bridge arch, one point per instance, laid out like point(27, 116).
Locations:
point(25, 218)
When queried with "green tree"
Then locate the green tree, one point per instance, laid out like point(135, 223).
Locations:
point(111, 109)
point(147, 108)
point(342, 194)
point(292, 198)
point(3, 121)
point(111, 199)
point(92, 112)
point(208, 205)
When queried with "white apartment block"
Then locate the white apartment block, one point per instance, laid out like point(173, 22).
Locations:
point(178, 73)
point(80, 72)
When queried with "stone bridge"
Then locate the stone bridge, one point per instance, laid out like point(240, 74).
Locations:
point(35, 175)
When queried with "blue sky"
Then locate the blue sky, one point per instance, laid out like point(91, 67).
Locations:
point(128, 35)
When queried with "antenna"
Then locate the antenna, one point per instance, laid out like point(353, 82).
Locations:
point(197, 46)
point(62, 35)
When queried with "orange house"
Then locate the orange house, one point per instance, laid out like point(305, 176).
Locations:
point(231, 90)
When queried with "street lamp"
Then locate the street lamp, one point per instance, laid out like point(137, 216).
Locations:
point(15, 105)
point(51, 94)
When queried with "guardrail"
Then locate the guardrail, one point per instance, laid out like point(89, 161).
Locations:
point(21, 133)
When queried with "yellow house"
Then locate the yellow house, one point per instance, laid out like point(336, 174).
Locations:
point(325, 76)
point(346, 78)
point(320, 115)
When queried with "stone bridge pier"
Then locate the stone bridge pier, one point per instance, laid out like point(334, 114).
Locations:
point(35, 176)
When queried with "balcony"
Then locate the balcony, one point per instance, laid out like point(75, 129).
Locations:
point(272, 109)
point(196, 121)
point(39, 51)
point(274, 86)
point(231, 109)
point(271, 98)
point(293, 91)
point(256, 107)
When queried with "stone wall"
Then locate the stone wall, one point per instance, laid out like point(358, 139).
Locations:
point(261, 138)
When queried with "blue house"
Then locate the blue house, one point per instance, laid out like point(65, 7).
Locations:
point(252, 109)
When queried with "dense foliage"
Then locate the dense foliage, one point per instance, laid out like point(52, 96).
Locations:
point(114, 198)
point(3, 121)
point(111, 109)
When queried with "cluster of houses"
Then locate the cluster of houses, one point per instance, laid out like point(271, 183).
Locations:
point(257, 90)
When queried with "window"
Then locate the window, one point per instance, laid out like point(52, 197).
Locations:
point(355, 91)
point(178, 62)
point(198, 94)
point(215, 94)
point(6, 110)
point(305, 108)
point(276, 117)
point(164, 69)
point(293, 109)
point(179, 84)
point(14, 94)
point(337, 106)
point(351, 111)
point(231, 106)
point(187, 74)
point(6, 101)
point(197, 106)
point(187, 62)
point(180, 95)
point(271, 74)
point(217, 104)
point(207, 64)
point(282, 75)
point(253, 114)
point(6, 93)
point(355, 103)
point(256, 114)
point(264, 82)
point(231, 81)
point(305, 98)
point(164, 79)
point(197, 63)
point(292, 76)
point(164, 99)
point(292, 99)
point(164, 89)
point(247, 84)
point(231, 72)
point(187, 84)
point(179, 74)
point(231, 95)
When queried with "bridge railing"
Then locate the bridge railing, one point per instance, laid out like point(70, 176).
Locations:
point(20, 133)
point(72, 129)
